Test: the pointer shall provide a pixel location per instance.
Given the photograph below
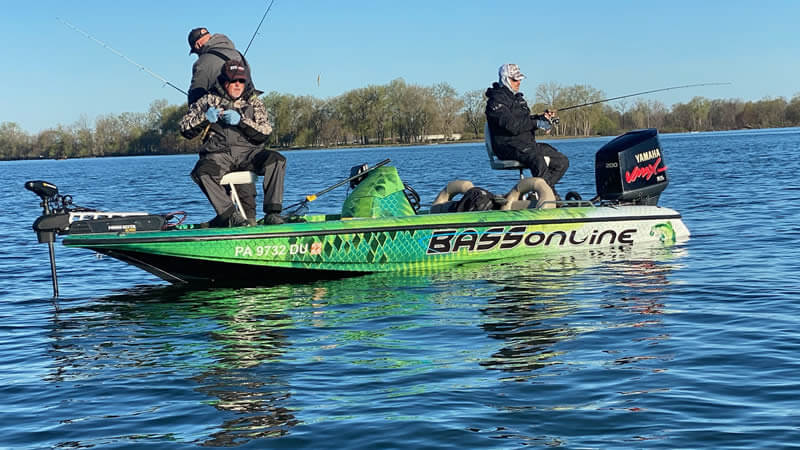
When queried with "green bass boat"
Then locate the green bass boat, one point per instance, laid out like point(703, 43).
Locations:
point(380, 230)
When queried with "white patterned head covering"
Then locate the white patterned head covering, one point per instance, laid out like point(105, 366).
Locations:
point(509, 72)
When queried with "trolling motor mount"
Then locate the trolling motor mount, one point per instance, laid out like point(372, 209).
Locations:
point(54, 219)
point(55, 210)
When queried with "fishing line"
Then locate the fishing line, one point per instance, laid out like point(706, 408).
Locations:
point(118, 53)
point(642, 93)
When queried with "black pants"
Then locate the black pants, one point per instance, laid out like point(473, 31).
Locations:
point(533, 158)
point(211, 167)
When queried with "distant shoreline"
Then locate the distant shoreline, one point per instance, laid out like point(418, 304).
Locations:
point(419, 144)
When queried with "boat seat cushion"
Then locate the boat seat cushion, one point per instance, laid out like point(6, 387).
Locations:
point(241, 177)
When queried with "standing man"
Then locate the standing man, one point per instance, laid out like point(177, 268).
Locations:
point(212, 50)
point(237, 126)
point(512, 128)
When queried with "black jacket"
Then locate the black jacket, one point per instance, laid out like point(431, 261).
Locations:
point(510, 121)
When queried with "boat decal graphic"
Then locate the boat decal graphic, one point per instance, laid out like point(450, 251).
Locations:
point(200, 236)
point(665, 232)
point(450, 240)
point(645, 172)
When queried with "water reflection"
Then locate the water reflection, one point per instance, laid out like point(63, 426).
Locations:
point(225, 367)
point(224, 342)
point(251, 337)
point(537, 306)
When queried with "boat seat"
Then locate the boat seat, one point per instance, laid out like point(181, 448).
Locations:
point(231, 180)
point(444, 200)
point(503, 164)
point(515, 199)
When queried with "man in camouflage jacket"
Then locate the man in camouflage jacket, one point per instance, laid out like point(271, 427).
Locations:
point(234, 126)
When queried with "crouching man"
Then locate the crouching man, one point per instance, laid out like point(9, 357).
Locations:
point(234, 126)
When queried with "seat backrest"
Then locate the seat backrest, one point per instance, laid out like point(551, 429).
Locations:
point(544, 193)
point(444, 200)
point(495, 162)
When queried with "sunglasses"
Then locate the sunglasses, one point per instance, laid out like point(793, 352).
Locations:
point(239, 81)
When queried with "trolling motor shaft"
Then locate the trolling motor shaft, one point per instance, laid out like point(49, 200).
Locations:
point(51, 222)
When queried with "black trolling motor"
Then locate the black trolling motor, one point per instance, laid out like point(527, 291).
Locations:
point(54, 219)
point(60, 216)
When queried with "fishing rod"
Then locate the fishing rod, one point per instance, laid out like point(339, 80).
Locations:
point(310, 198)
point(641, 93)
point(259, 27)
point(208, 127)
point(118, 53)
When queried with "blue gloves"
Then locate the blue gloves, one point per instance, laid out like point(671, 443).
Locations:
point(543, 124)
point(212, 114)
point(230, 117)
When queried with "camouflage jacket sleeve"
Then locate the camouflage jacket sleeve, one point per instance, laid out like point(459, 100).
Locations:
point(258, 128)
point(194, 122)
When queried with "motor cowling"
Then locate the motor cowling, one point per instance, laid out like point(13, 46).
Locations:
point(631, 169)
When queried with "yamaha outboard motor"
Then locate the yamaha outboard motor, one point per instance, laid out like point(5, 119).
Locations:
point(631, 169)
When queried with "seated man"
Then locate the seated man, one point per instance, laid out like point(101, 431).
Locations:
point(512, 128)
point(234, 125)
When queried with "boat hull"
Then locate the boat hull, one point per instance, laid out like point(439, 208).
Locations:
point(307, 251)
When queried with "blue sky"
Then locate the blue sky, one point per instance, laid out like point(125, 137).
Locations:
point(53, 75)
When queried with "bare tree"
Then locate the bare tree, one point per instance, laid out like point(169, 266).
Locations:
point(474, 110)
point(448, 104)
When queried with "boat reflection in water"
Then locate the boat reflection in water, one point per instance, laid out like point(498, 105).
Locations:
point(250, 336)
point(540, 310)
point(215, 341)
point(225, 367)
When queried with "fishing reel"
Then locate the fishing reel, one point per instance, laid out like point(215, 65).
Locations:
point(555, 120)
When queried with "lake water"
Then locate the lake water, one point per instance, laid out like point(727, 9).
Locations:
point(694, 346)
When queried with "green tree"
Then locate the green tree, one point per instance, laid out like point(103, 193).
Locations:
point(357, 108)
point(722, 114)
point(14, 142)
point(286, 114)
point(792, 113)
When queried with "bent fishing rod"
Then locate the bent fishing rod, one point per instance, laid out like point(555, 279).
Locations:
point(118, 53)
point(258, 28)
point(145, 69)
point(641, 93)
point(208, 127)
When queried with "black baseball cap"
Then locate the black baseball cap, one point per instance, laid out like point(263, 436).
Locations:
point(235, 70)
point(194, 35)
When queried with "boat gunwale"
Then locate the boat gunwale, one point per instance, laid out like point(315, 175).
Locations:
point(88, 240)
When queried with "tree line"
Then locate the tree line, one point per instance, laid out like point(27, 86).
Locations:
point(394, 113)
